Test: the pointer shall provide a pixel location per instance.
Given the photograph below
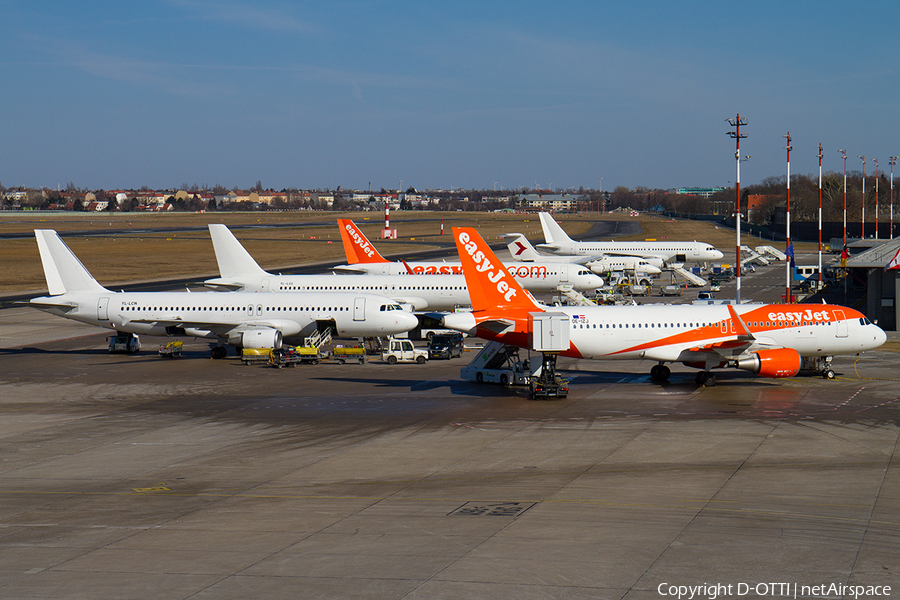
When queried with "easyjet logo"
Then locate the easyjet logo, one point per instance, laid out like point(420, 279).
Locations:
point(360, 240)
point(496, 275)
point(435, 270)
point(808, 315)
point(524, 272)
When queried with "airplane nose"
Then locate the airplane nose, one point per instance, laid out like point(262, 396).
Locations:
point(407, 321)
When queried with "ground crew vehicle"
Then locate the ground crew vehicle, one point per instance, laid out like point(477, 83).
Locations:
point(255, 355)
point(172, 349)
point(342, 354)
point(403, 351)
point(497, 363)
point(445, 345)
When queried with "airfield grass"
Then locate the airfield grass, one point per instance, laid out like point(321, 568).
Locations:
point(139, 255)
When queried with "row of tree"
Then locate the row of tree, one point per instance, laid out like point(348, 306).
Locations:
point(772, 192)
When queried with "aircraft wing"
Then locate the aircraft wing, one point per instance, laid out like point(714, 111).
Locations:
point(498, 326)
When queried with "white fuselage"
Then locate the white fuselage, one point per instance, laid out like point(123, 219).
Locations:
point(433, 292)
point(681, 252)
point(222, 315)
point(665, 332)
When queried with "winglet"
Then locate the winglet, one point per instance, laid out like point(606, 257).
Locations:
point(356, 246)
point(490, 284)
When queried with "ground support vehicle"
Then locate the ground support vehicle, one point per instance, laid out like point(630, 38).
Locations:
point(250, 356)
point(671, 290)
point(290, 356)
point(124, 342)
point(497, 363)
point(546, 382)
point(355, 353)
point(172, 349)
point(445, 345)
point(403, 351)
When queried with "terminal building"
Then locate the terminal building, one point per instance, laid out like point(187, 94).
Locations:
point(882, 284)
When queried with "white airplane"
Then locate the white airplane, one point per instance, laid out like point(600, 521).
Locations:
point(538, 276)
point(769, 340)
point(241, 319)
point(558, 242)
point(521, 250)
point(238, 271)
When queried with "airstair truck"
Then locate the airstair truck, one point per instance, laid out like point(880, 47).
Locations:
point(497, 363)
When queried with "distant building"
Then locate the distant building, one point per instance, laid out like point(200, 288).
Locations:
point(703, 192)
point(551, 202)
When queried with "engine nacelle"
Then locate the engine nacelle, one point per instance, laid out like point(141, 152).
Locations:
point(781, 362)
point(257, 338)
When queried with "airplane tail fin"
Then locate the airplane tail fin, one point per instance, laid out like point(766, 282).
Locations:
point(62, 269)
point(491, 287)
point(553, 233)
point(233, 258)
point(520, 248)
point(356, 246)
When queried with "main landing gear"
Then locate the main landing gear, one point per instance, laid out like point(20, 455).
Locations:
point(659, 372)
point(218, 352)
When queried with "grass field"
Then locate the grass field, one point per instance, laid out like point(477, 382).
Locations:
point(139, 255)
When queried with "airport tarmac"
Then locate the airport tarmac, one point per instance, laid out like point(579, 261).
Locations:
point(143, 477)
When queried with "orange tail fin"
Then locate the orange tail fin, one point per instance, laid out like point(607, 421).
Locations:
point(490, 284)
point(356, 246)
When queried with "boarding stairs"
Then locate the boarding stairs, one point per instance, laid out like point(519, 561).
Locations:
point(691, 277)
point(750, 256)
point(318, 339)
point(771, 251)
point(576, 298)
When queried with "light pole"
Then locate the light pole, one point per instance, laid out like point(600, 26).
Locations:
point(820, 215)
point(892, 162)
point(863, 159)
point(875, 160)
point(844, 152)
point(736, 122)
point(789, 251)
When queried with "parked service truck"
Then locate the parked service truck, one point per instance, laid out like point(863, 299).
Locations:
point(403, 351)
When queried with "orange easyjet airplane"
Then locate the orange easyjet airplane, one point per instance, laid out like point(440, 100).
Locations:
point(535, 276)
point(770, 340)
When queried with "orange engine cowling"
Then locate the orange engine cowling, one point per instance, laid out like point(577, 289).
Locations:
point(782, 362)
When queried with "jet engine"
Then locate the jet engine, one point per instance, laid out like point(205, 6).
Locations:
point(781, 362)
point(256, 338)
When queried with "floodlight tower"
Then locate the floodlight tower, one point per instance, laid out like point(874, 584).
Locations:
point(875, 160)
point(863, 159)
point(892, 162)
point(789, 251)
point(844, 152)
point(820, 215)
point(736, 122)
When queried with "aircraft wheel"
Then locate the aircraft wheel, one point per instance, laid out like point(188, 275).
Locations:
point(219, 352)
point(662, 373)
point(653, 371)
point(828, 374)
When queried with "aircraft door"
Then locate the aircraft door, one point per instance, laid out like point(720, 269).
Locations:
point(841, 322)
point(103, 309)
point(359, 309)
point(564, 274)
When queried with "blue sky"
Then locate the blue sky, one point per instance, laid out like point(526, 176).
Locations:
point(437, 95)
